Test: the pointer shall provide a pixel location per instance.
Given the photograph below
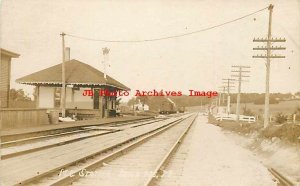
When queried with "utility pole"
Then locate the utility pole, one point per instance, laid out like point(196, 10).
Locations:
point(229, 83)
point(223, 90)
point(105, 52)
point(268, 56)
point(63, 87)
point(221, 96)
point(219, 103)
point(240, 76)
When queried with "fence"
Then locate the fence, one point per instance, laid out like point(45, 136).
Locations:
point(23, 117)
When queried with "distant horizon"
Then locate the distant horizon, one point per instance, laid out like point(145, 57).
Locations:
point(130, 96)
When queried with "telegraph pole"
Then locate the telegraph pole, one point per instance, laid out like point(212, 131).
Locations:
point(223, 91)
point(221, 96)
point(219, 103)
point(63, 89)
point(268, 56)
point(240, 76)
point(229, 83)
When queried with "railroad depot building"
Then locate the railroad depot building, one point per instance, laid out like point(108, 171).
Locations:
point(5, 69)
point(79, 77)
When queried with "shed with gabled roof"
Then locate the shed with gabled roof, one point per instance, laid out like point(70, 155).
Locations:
point(79, 77)
point(77, 74)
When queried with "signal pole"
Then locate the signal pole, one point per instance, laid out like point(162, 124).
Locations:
point(105, 52)
point(240, 76)
point(229, 83)
point(268, 56)
point(63, 86)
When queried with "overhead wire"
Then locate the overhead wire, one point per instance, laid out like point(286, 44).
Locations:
point(166, 37)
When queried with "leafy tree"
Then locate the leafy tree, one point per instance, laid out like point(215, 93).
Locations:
point(131, 102)
point(18, 95)
point(143, 99)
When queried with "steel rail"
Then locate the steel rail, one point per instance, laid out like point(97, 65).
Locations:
point(281, 178)
point(161, 166)
point(129, 143)
point(34, 149)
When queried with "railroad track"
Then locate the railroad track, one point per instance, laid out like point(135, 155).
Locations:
point(36, 136)
point(30, 167)
point(33, 144)
point(282, 180)
point(166, 138)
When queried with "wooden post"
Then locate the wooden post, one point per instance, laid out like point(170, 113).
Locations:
point(37, 96)
point(228, 82)
point(72, 97)
point(8, 84)
point(267, 95)
point(269, 55)
point(240, 75)
point(63, 88)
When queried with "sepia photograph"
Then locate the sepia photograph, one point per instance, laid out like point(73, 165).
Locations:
point(150, 93)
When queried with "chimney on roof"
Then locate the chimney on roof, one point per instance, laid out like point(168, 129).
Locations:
point(67, 54)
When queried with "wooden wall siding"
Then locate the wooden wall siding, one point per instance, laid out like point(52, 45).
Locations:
point(4, 80)
point(19, 118)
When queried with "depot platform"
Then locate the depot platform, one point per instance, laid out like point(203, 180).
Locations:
point(13, 134)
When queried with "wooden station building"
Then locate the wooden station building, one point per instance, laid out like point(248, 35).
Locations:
point(79, 77)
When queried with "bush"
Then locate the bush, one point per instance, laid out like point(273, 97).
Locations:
point(280, 118)
point(289, 132)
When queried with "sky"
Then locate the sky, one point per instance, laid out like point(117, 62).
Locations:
point(32, 28)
